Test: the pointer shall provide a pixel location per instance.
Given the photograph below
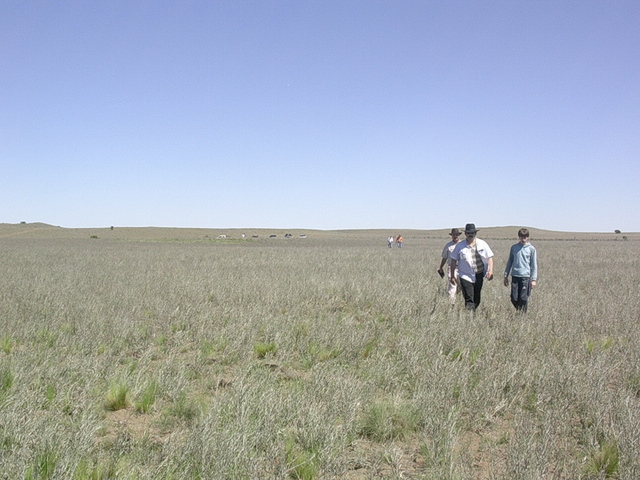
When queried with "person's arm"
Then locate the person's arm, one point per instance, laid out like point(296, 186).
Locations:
point(534, 268)
point(442, 263)
point(490, 268)
point(507, 269)
point(453, 264)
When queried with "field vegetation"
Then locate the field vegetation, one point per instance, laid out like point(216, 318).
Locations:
point(172, 354)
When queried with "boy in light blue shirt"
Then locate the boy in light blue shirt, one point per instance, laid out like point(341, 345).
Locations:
point(523, 266)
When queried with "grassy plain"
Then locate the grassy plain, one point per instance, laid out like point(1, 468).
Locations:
point(155, 353)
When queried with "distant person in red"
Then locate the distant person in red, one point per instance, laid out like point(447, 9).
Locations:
point(399, 241)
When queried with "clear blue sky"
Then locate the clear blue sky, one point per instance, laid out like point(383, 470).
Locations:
point(321, 114)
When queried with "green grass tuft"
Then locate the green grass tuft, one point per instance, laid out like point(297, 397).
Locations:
point(263, 349)
point(147, 398)
point(604, 461)
point(117, 398)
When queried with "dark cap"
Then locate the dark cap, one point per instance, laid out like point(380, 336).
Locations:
point(470, 228)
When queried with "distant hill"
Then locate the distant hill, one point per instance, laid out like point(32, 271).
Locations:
point(44, 231)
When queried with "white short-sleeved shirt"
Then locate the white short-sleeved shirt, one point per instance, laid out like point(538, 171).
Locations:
point(463, 254)
point(448, 248)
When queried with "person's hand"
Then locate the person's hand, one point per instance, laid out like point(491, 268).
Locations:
point(452, 280)
point(441, 272)
point(506, 281)
point(490, 276)
point(533, 283)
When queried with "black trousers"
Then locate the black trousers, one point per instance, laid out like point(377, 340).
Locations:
point(520, 292)
point(472, 292)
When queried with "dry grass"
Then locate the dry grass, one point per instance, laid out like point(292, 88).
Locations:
point(330, 356)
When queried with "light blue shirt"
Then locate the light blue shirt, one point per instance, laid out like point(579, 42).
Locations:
point(523, 261)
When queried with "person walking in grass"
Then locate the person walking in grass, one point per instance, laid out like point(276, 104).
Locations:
point(390, 241)
point(523, 267)
point(452, 287)
point(399, 241)
point(473, 260)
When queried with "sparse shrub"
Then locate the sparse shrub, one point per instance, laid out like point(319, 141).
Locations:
point(44, 465)
point(603, 460)
point(606, 343)
point(474, 355)
point(6, 344)
point(147, 398)
point(182, 410)
point(530, 399)
point(69, 328)
point(6, 442)
point(6, 381)
point(385, 420)
point(50, 393)
point(179, 327)
point(633, 382)
point(117, 397)
point(455, 355)
point(316, 354)
point(302, 463)
point(207, 349)
point(47, 337)
point(262, 349)
point(369, 347)
point(89, 470)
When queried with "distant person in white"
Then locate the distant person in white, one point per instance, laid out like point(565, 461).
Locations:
point(452, 288)
point(473, 259)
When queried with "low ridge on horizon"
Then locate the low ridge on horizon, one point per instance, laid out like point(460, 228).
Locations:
point(375, 229)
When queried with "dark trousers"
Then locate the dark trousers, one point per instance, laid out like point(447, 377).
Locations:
point(472, 291)
point(520, 292)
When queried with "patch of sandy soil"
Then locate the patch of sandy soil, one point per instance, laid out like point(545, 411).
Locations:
point(133, 425)
point(369, 459)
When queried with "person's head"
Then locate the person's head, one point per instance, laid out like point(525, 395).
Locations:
point(523, 235)
point(470, 231)
point(455, 234)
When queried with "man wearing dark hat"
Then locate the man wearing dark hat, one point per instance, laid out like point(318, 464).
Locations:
point(452, 287)
point(473, 260)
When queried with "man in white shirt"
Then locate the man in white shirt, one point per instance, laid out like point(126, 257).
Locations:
point(473, 259)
